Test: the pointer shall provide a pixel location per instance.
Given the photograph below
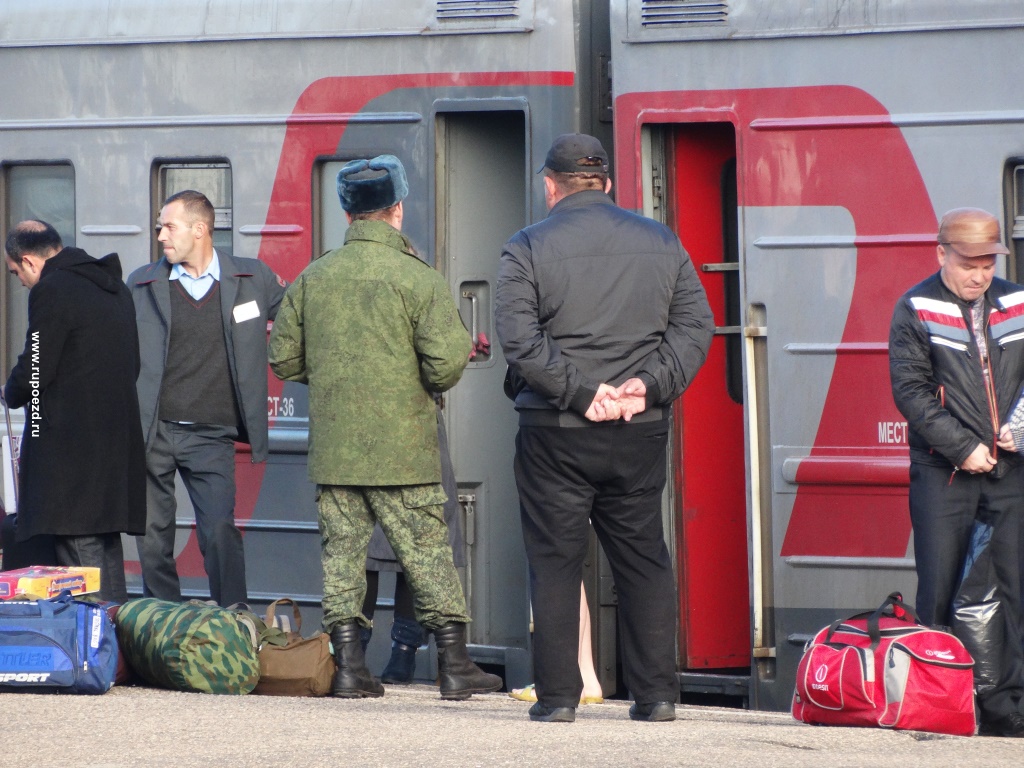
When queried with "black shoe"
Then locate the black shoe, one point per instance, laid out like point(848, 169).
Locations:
point(658, 712)
point(401, 666)
point(541, 714)
point(406, 637)
point(459, 677)
point(1011, 726)
point(352, 680)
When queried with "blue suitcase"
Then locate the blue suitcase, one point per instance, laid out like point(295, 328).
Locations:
point(58, 645)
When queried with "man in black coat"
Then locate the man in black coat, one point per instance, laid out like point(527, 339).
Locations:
point(603, 323)
point(83, 471)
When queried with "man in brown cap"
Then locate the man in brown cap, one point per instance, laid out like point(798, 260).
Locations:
point(956, 359)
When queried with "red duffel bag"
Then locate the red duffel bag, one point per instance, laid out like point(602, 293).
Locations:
point(885, 669)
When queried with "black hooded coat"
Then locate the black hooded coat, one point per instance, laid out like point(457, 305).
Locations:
point(83, 464)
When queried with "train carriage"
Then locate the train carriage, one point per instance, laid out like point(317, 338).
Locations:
point(110, 107)
point(803, 154)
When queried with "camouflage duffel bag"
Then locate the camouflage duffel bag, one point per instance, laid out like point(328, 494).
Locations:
point(189, 646)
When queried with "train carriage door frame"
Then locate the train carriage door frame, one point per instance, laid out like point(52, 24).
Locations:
point(691, 186)
point(482, 197)
point(31, 190)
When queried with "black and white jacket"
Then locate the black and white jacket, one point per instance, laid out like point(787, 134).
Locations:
point(937, 372)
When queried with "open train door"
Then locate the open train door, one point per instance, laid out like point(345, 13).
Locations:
point(694, 175)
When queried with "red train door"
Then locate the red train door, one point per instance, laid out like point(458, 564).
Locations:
point(710, 477)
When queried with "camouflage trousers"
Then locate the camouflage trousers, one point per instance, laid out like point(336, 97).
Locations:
point(412, 518)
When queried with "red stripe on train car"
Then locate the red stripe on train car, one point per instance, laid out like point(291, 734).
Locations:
point(813, 153)
point(307, 137)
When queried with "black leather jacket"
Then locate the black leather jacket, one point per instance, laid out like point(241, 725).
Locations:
point(937, 377)
point(596, 294)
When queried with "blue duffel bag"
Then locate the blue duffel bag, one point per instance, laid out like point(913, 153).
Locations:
point(58, 645)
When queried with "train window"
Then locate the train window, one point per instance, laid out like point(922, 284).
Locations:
point(45, 192)
point(213, 179)
point(331, 224)
point(1016, 223)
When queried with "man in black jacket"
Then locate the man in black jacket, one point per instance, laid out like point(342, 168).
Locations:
point(956, 360)
point(82, 457)
point(603, 322)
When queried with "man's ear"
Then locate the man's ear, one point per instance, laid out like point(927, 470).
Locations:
point(32, 263)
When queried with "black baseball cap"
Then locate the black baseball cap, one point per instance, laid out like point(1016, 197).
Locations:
point(576, 153)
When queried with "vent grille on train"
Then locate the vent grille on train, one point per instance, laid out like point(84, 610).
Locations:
point(680, 13)
point(462, 10)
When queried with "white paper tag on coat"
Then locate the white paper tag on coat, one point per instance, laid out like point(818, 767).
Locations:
point(246, 311)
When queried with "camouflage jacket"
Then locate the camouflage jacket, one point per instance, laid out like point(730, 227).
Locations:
point(374, 332)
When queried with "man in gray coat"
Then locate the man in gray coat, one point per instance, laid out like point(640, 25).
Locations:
point(202, 320)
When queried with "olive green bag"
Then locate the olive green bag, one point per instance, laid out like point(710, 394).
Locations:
point(290, 664)
point(190, 646)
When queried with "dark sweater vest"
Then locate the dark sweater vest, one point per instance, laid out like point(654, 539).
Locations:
point(197, 383)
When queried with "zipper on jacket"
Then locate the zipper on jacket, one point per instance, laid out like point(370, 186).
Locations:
point(988, 377)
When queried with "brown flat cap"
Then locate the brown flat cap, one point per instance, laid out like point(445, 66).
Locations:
point(971, 231)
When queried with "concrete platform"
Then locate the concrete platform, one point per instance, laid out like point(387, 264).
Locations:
point(413, 726)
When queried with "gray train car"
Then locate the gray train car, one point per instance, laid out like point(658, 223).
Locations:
point(804, 152)
point(110, 107)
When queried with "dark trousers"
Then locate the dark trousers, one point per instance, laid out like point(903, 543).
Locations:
point(405, 607)
point(611, 476)
point(943, 514)
point(103, 551)
point(204, 455)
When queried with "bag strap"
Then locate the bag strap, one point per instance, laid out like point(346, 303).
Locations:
point(271, 616)
point(893, 606)
point(253, 623)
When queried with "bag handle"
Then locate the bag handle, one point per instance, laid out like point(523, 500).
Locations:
point(253, 623)
point(271, 616)
point(893, 606)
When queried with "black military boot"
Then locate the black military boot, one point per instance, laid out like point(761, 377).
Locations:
point(460, 677)
point(406, 636)
point(352, 680)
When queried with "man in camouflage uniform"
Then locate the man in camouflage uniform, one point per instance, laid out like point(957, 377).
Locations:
point(374, 332)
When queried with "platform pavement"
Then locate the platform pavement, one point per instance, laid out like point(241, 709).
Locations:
point(412, 726)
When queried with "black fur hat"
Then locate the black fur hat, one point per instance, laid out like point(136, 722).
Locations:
point(372, 185)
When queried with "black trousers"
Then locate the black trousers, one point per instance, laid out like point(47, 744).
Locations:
point(103, 551)
point(611, 476)
point(942, 514)
point(204, 455)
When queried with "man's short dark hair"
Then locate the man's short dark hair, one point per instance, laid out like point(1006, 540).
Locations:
point(382, 215)
point(197, 206)
point(32, 237)
point(568, 183)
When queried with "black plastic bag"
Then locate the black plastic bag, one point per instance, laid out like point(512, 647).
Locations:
point(979, 619)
